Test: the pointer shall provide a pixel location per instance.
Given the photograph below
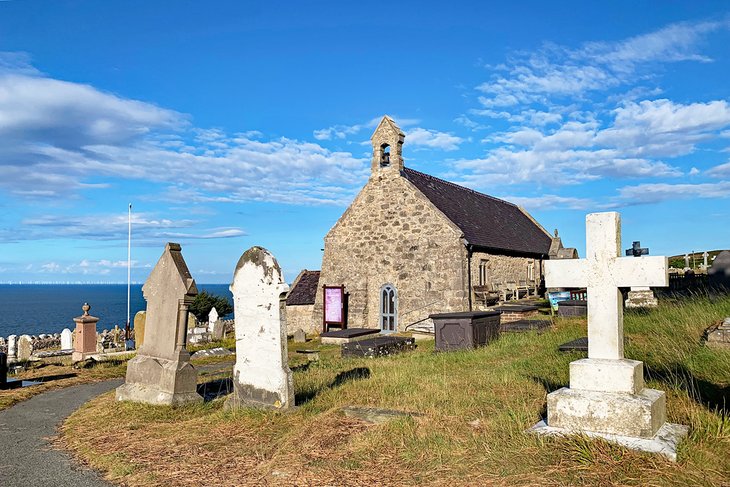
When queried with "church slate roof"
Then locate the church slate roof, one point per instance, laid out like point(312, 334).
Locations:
point(305, 290)
point(487, 222)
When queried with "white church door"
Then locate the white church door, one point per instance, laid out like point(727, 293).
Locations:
point(388, 309)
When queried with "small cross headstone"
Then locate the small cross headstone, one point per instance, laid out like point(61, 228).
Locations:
point(161, 372)
point(636, 250)
point(607, 397)
point(261, 376)
point(25, 348)
point(67, 339)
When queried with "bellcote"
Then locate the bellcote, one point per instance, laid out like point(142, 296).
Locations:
point(387, 143)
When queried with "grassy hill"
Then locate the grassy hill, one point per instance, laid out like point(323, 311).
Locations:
point(471, 408)
point(677, 261)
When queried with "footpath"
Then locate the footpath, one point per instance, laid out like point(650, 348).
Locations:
point(27, 457)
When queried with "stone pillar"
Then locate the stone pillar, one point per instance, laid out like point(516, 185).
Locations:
point(161, 373)
point(67, 339)
point(641, 297)
point(12, 348)
point(261, 376)
point(85, 340)
point(25, 348)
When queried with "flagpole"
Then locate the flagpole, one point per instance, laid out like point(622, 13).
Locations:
point(129, 264)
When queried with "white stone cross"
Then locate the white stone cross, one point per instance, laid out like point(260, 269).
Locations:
point(602, 272)
point(705, 255)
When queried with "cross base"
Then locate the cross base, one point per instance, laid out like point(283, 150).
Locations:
point(664, 442)
point(640, 297)
point(607, 375)
point(636, 415)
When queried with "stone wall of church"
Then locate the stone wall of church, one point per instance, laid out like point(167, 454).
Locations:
point(302, 317)
point(392, 234)
point(504, 268)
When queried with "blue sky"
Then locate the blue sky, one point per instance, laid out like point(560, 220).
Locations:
point(232, 124)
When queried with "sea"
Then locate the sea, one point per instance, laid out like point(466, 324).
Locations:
point(32, 309)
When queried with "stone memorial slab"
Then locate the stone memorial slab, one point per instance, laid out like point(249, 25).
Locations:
point(161, 372)
point(607, 397)
point(139, 321)
point(378, 347)
point(522, 326)
point(25, 347)
point(261, 376)
point(85, 341)
point(573, 307)
point(67, 339)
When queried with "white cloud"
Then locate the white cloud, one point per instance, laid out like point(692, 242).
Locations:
point(551, 202)
point(433, 139)
point(58, 137)
point(556, 71)
point(657, 192)
point(723, 170)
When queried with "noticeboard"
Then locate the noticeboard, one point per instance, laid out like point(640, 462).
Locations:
point(334, 306)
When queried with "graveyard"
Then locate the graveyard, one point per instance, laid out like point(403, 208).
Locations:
point(467, 416)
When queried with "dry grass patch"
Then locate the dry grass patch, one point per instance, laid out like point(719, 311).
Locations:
point(474, 408)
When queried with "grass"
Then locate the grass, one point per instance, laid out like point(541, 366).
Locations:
point(474, 408)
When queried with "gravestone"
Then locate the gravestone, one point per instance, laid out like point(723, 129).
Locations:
point(25, 347)
point(686, 261)
point(640, 296)
point(85, 341)
point(719, 273)
point(215, 325)
point(161, 372)
point(139, 321)
point(300, 336)
point(12, 348)
point(705, 255)
point(261, 376)
point(212, 316)
point(607, 397)
point(67, 339)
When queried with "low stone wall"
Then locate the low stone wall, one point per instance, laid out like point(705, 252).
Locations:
point(301, 317)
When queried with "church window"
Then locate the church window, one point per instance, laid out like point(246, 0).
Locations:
point(388, 309)
point(483, 272)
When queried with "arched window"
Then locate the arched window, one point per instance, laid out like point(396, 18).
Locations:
point(384, 155)
point(388, 309)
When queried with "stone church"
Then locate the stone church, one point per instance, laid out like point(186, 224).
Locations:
point(411, 245)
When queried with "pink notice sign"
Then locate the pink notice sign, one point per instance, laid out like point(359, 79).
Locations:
point(333, 304)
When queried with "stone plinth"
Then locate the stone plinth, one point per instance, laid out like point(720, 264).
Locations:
point(85, 340)
point(161, 372)
point(261, 376)
point(641, 297)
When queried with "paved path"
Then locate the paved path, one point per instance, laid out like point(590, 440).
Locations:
point(26, 457)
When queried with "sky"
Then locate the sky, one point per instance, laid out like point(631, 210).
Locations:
point(228, 124)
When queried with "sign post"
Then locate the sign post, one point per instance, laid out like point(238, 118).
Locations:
point(334, 307)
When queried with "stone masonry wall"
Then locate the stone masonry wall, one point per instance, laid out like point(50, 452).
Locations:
point(302, 317)
point(392, 234)
point(503, 268)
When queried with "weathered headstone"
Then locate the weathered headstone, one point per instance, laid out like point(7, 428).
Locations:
point(300, 336)
point(85, 341)
point(161, 372)
point(66, 339)
point(261, 376)
point(139, 321)
point(705, 255)
point(215, 325)
point(607, 397)
point(12, 348)
point(719, 273)
point(25, 347)
point(686, 260)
